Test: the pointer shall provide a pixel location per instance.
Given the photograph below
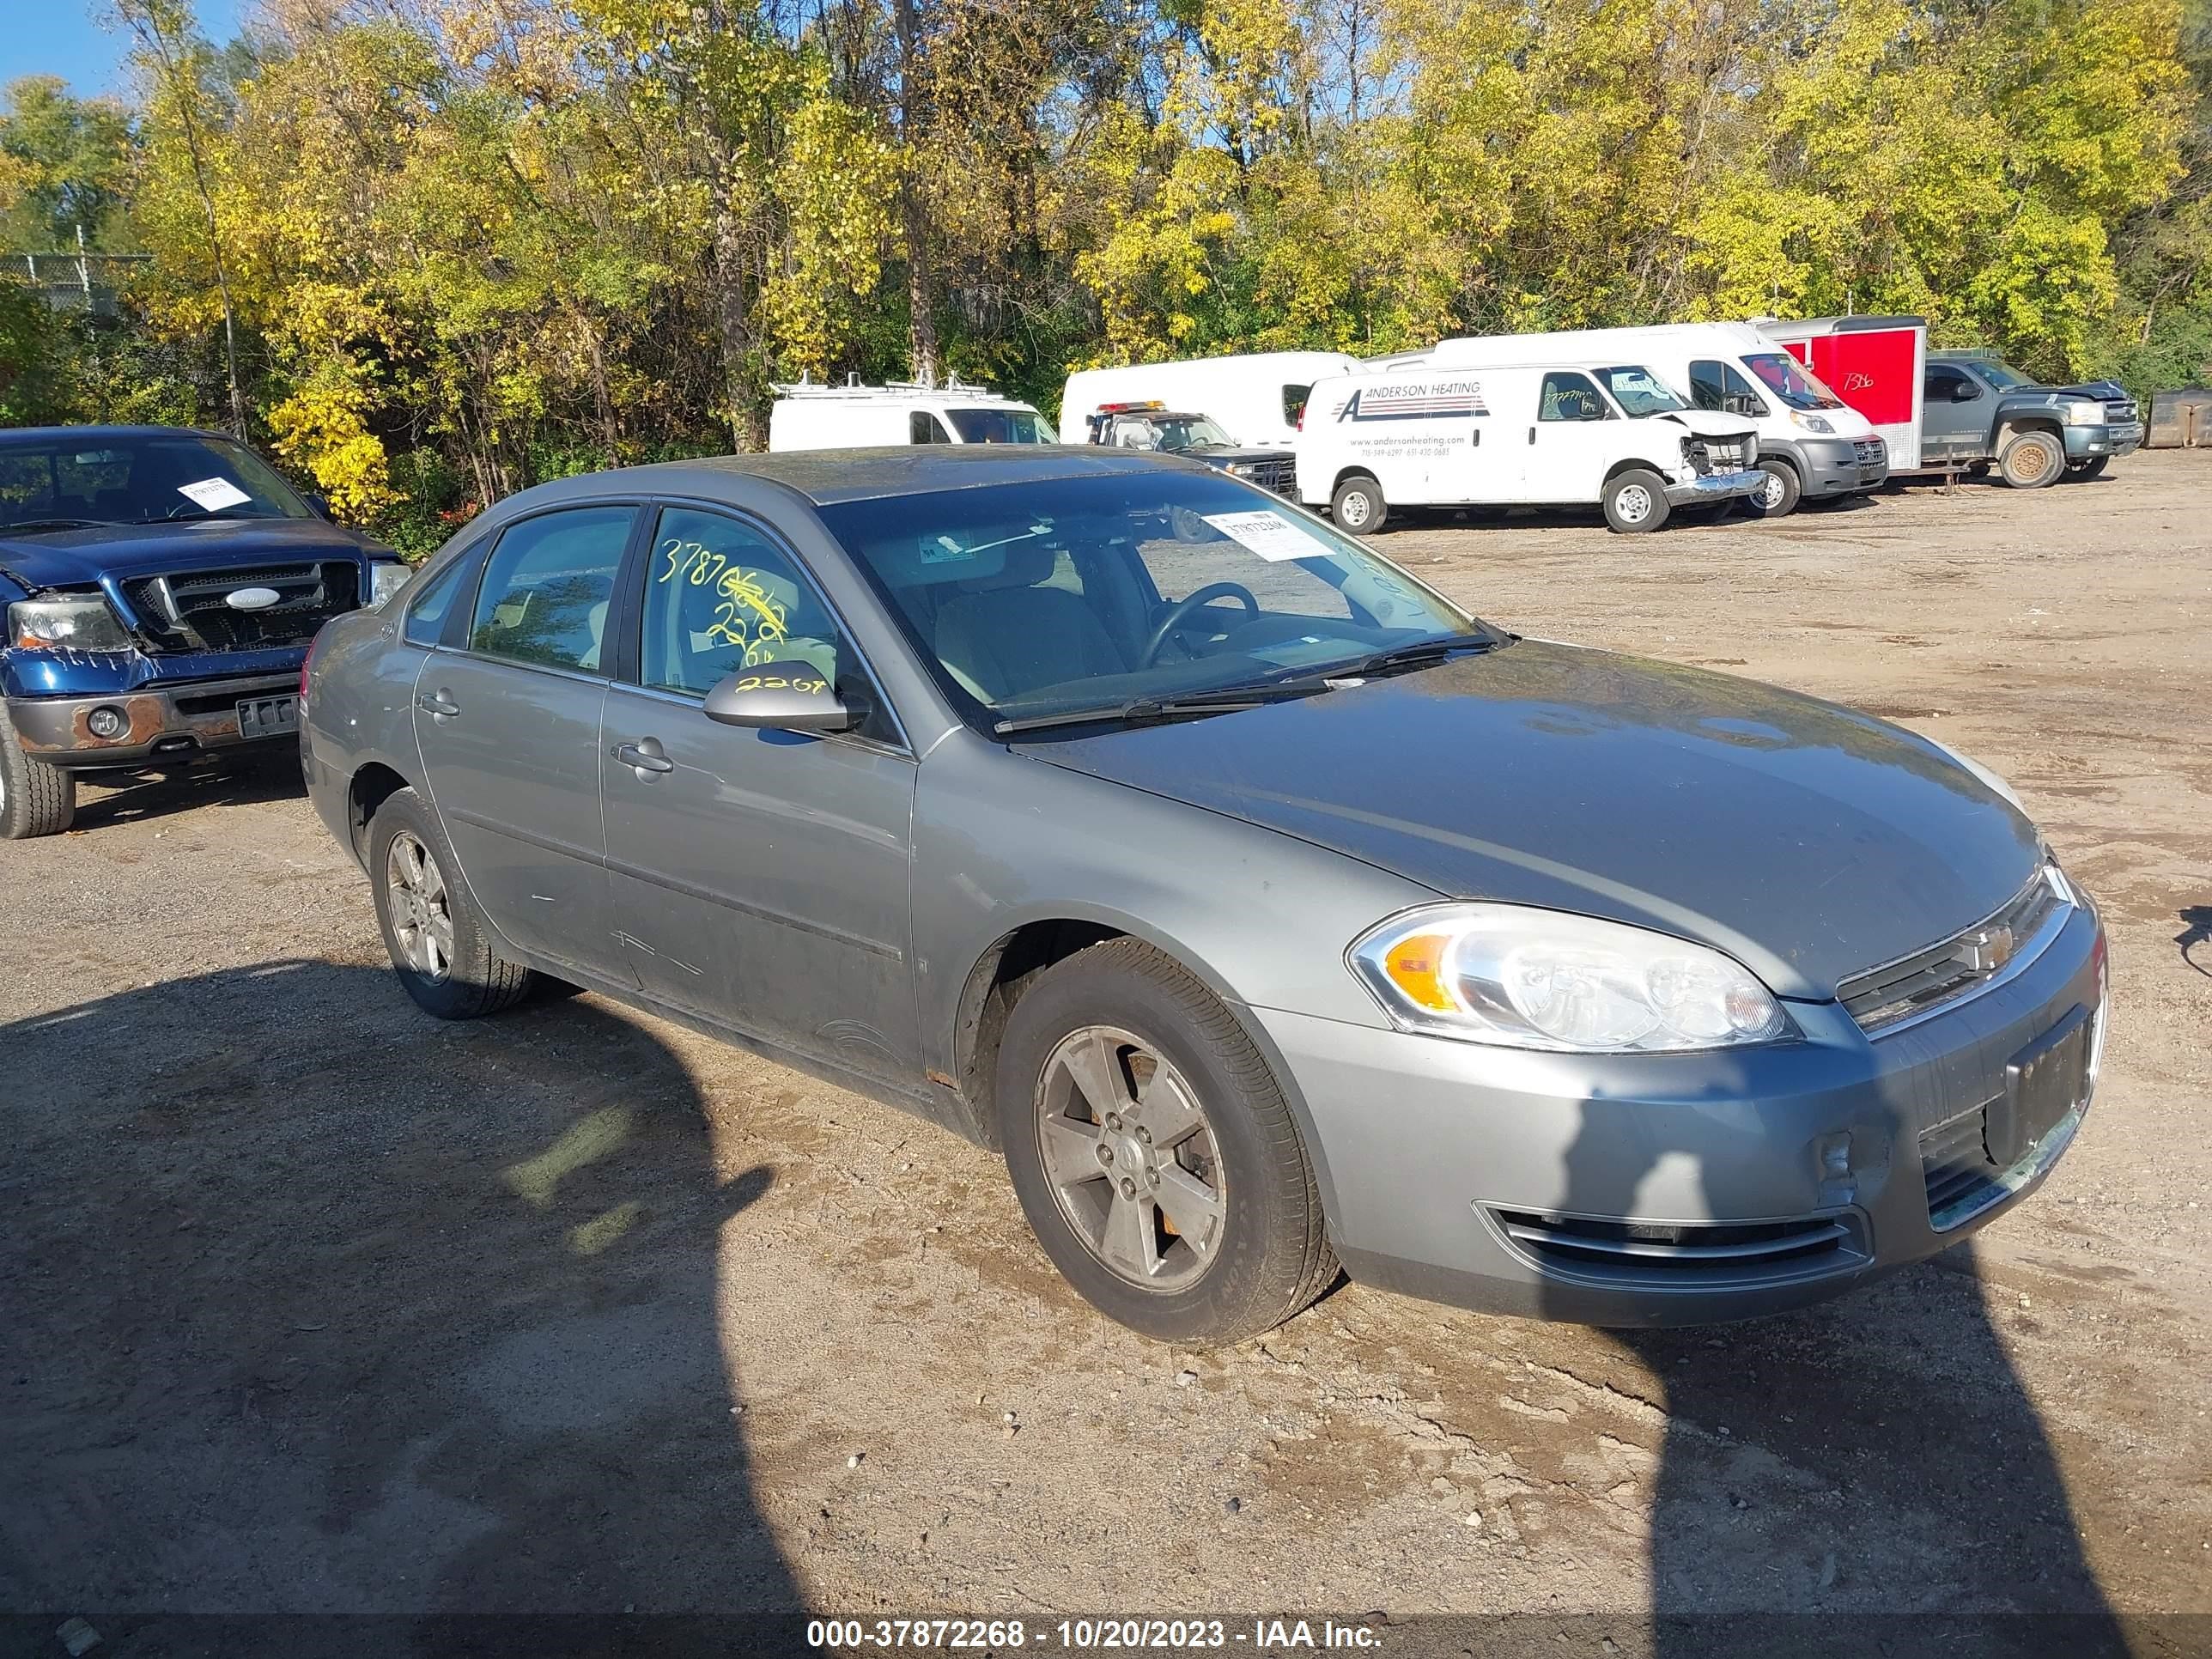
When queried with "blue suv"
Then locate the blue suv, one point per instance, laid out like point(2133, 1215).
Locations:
point(160, 589)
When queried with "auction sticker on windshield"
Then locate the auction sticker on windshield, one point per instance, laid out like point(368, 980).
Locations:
point(1271, 536)
point(214, 494)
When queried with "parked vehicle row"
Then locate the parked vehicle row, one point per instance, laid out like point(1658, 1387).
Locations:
point(1266, 911)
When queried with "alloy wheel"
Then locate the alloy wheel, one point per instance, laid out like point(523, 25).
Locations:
point(1131, 1158)
point(419, 905)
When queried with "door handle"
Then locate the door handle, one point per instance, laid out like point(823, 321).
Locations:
point(645, 757)
point(438, 704)
point(1532, 434)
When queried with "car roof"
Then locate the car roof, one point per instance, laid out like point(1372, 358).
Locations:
point(26, 435)
point(826, 476)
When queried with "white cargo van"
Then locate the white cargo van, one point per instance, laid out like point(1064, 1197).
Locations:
point(1539, 434)
point(1812, 445)
point(1255, 399)
point(808, 417)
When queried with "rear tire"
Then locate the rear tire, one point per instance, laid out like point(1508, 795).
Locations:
point(2082, 471)
point(1357, 506)
point(1778, 495)
point(2032, 459)
point(1106, 1046)
point(1635, 501)
point(439, 944)
point(37, 797)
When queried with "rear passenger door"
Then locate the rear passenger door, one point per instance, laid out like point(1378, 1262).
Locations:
point(506, 719)
point(759, 878)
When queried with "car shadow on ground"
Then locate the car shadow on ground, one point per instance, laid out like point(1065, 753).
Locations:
point(105, 798)
point(2195, 938)
point(321, 1306)
point(1868, 1475)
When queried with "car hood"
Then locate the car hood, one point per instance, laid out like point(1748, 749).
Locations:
point(70, 558)
point(1706, 423)
point(1809, 840)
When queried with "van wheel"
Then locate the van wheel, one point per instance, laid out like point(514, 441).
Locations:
point(37, 797)
point(1635, 501)
point(2032, 460)
point(2091, 468)
point(1153, 1152)
point(430, 924)
point(1357, 506)
point(1778, 491)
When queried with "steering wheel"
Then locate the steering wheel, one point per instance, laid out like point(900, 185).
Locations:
point(1179, 612)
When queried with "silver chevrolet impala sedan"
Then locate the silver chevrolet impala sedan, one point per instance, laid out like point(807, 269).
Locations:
point(1267, 911)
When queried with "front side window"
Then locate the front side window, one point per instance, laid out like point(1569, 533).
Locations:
point(1791, 381)
point(1945, 385)
point(719, 596)
point(1639, 391)
point(1294, 404)
point(1030, 599)
point(546, 587)
point(1569, 397)
point(118, 478)
point(1717, 385)
point(1001, 425)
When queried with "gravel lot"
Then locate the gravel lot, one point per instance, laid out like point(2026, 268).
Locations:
point(310, 1303)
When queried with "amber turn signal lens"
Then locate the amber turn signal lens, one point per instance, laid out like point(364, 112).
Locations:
point(1416, 966)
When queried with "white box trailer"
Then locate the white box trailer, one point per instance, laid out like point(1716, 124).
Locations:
point(1256, 397)
point(1813, 446)
point(856, 417)
point(1537, 434)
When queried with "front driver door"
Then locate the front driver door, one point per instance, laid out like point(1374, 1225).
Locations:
point(506, 717)
point(759, 878)
point(1953, 423)
point(1569, 442)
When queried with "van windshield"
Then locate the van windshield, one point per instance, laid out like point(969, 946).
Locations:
point(1791, 381)
point(1638, 391)
point(1001, 425)
point(1031, 601)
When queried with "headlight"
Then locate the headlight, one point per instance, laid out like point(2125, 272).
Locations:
point(385, 578)
point(80, 622)
point(1242, 469)
point(1813, 422)
point(1543, 979)
point(2084, 414)
point(1985, 775)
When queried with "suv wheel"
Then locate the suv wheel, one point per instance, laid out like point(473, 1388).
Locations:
point(2091, 468)
point(1357, 506)
point(2032, 459)
point(1153, 1152)
point(1778, 491)
point(37, 797)
point(430, 924)
point(1635, 501)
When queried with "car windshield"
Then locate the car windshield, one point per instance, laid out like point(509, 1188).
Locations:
point(103, 477)
point(2002, 376)
point(1176, 432)
point(1033, 599)
point(1638, 391)
point(1001, 425)
point(1791, 381)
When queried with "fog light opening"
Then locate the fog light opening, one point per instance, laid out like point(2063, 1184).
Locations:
point(106, 721)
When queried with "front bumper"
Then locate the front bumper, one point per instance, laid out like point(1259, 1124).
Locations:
point(1839, 466)
point(1453, 1171)
point(2087, 443)
point(162, 724)
point(1715, 487)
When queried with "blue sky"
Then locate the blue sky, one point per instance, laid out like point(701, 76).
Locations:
point(59, 37)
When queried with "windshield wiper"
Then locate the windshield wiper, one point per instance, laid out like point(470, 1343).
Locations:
point(1147, 711)
point(1401, 656)
point(30, 526)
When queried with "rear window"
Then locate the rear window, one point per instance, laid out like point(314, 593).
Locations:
point(1001, 425)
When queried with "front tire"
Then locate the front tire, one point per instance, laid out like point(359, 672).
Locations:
point(2082, 471)
point(1153, 1153)
point(440, 946)
point(1778, 493)
point(37, 797)
point(2032, 459)
point(1357, 506)
point(1635, 501)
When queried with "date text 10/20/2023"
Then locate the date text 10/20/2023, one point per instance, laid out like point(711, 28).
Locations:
point(1260, 1636)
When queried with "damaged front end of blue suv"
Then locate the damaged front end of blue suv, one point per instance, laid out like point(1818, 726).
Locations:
point(160, 589)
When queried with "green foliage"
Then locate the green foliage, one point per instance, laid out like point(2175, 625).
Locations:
point(463, 245)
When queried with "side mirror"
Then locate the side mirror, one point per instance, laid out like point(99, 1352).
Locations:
point(1965, 393)
point(781, 696)
point(320, 503)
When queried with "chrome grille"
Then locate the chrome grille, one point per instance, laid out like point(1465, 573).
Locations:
point(1277, 476)
point(189, 612)
point(1882, 996)
point(1687, 1253)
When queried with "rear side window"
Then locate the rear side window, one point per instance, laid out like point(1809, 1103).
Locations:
point(547, 586)
point(426, 616)
point(1569, 397)
point(924, 427)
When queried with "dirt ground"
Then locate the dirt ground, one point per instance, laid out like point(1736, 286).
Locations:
point(310, 1303)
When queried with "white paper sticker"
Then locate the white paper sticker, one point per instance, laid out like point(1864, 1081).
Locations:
point(215, 493)
point(1270, 535)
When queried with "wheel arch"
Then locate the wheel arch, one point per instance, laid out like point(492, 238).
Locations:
point(1345, 474)
point(372, 783)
